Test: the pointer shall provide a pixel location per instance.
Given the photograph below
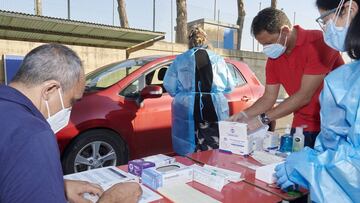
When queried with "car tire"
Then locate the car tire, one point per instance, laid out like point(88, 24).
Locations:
point(105, 141)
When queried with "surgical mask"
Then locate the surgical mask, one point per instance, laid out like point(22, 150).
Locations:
point(335, 36)
point(60, 119)
point(274, 51)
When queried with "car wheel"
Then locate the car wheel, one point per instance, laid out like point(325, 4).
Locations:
point(94, 149)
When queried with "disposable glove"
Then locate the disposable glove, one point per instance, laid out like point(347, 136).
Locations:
point(283, 180)
point(253, 123)
point(239, 117)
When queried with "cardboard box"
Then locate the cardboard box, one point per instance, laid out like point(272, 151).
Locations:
point(156, 177)
point(160, 159)
point(137, 166)
point(271, 141)
point(234, 138)
point(208, 178)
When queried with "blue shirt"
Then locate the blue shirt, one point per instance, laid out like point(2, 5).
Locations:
point(30, 168)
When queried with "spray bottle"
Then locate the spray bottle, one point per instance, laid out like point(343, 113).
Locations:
point(286, 141)
point(298, 140)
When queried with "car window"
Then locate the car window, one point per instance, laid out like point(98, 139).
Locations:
point(108, 75)
point(156, 76)
point(239, 79)
point(132, 90)
point(106, 80)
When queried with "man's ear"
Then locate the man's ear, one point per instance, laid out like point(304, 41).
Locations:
point(285, 30)
point(48, 88)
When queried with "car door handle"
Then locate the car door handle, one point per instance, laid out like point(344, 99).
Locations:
point(245, 98)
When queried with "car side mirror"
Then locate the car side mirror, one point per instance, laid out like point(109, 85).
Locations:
point(151, 91)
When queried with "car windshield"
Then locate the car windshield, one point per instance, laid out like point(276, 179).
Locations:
point(110, 74)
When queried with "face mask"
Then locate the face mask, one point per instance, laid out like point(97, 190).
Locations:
point(60, 119)
point(274, 51)
point(334, 36)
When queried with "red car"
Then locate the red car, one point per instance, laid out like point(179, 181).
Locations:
point(126, 113)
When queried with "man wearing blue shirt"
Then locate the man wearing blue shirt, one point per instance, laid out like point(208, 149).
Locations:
point(35, 105)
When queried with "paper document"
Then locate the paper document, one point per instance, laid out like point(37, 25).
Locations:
point(266, 158)
point(109, 176)
point(183, 193)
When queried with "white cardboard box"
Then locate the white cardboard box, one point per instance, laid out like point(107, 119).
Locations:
point(160, 159)
point(266, 173)
point(234, 138)
point(208, 178)
point(156, 177)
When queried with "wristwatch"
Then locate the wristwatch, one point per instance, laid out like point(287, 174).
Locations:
point(264, 119)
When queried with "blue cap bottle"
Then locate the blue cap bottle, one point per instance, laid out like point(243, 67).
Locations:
point(286, 141)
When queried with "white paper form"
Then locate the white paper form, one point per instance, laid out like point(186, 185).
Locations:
point(183, 193)
point(266, 158)
point(109, 176)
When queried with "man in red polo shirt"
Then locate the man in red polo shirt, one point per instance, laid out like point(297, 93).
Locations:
point(298, 60)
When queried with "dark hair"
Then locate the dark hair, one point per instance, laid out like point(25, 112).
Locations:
point(327, 4)
point(50, 62)
point(352, 41)
point(270, 20)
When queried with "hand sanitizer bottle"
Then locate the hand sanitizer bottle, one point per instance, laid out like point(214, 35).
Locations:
point(286, 141)
point(298, 140)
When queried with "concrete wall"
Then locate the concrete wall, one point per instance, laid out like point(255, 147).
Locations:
point(96, 57)
point(92, 57)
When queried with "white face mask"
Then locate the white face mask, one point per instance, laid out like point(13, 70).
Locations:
point(274, 51)
point(335, 36)
point(60, 119)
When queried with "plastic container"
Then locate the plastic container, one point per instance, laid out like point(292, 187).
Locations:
point(298, 139)
point(286, 141)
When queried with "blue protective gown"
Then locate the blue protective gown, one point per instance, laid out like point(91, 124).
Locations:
point(179, 82)
point(332, 170)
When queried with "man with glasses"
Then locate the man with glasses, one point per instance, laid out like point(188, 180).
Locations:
point(298, 60)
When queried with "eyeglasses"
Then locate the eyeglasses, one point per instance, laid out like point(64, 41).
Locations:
point(320, 20)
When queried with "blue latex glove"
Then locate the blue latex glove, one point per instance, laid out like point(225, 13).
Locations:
point(282, 177)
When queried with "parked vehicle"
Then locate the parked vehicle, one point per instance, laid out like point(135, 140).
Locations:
point(126, 113)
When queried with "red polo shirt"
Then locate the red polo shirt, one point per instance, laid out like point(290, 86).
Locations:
point(310, 56)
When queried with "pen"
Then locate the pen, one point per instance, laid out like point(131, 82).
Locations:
point(196, 161)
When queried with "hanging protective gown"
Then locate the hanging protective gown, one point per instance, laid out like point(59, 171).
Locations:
point(179, 82)
point(332, 170)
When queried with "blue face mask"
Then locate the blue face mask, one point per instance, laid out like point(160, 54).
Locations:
point(274, 51)
point(335, 36)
